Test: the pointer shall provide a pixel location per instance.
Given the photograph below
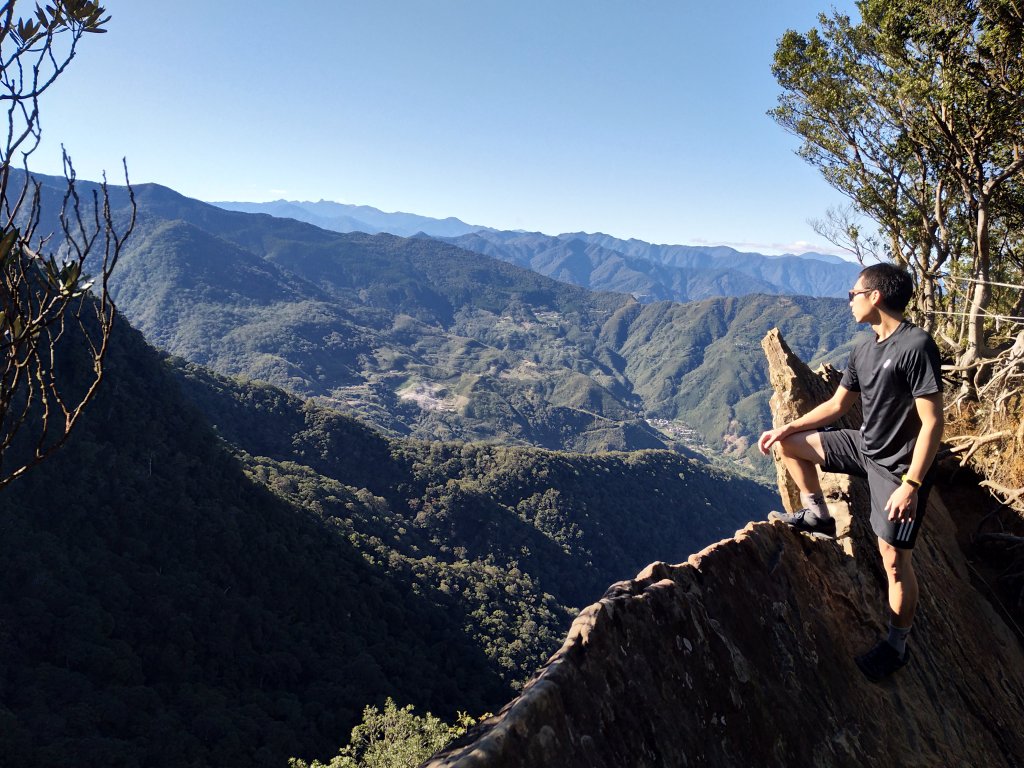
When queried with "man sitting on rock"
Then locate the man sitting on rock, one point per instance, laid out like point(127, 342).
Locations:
point(897, 374)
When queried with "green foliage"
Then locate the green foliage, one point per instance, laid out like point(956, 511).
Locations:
point(393, 738)
point(74, 16)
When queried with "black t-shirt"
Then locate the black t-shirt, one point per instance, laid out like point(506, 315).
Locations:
point(889, 375)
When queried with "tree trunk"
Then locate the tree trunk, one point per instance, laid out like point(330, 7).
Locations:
point(927, 292)
point(981, 294)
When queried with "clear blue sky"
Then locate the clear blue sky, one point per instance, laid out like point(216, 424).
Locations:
point(642, 118)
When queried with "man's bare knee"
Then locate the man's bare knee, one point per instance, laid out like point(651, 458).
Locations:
point(896, 562)
point(803, 445)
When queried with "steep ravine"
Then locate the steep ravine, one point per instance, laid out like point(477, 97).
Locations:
point(743, 656)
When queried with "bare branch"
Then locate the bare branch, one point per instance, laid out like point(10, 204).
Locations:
point(44, 285)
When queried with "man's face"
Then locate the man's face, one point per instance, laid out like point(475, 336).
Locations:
point(860, 300)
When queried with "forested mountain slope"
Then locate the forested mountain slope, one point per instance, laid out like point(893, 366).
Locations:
point(593, 266)
point(701, 363)
point(218, 573)
point(812, 274)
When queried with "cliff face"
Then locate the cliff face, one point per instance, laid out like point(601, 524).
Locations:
point(743, 656)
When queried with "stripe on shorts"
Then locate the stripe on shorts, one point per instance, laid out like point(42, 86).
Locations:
point(903, 534)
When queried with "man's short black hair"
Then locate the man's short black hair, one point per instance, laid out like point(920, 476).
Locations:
point(895, 285)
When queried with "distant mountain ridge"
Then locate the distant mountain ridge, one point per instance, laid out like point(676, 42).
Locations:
point(597, 261)
point(662, 273)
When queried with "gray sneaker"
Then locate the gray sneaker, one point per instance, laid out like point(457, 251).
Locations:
point(802, 520)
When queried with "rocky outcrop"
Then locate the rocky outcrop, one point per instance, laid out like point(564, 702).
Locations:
point(743, 656)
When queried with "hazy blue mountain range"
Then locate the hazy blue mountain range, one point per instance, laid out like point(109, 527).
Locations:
point(218, 573)
point(664, 272)
point(341, 217)
point(601, 262)
point(687, 255)
point(425, 339)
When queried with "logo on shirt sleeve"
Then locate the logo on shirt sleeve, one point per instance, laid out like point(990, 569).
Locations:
point(886, 363)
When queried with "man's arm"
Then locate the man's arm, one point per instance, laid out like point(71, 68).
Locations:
point(824, 414)
point(902, 504)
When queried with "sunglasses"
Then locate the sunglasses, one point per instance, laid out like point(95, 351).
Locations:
point(851, 294)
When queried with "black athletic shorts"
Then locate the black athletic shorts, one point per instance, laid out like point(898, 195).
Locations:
point(844, 453)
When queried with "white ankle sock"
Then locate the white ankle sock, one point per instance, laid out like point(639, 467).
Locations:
point(898, 638)
point(815, 504)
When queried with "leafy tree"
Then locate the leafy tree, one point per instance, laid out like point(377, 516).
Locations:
point(393, 738)
point(44, 289)
point(917, 114)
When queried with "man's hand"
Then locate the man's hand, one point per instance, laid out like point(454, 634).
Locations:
point(772, 436)
point(902, 504)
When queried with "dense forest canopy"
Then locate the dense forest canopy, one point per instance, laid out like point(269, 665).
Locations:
point(216, 572)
